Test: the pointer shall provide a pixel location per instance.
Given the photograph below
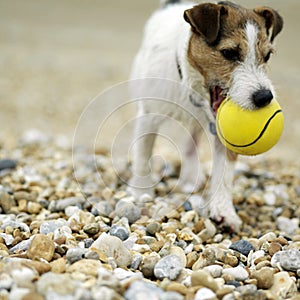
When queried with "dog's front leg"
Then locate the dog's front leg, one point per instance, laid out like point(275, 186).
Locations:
point(221, 206)
point(145, 133)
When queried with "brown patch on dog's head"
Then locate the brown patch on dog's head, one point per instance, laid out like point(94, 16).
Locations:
point(218, 43)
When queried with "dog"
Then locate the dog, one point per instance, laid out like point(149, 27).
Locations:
point(216, 50)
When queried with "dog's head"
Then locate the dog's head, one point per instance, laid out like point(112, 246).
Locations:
point(230, 46)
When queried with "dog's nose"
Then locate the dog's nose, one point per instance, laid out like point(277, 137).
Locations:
point(262, 97)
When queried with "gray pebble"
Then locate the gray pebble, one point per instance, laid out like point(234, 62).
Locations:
point(91, 255)
point(16, 225)
point(22, 246)
point(288, 259)
point(287, 225)
point(50, 226)
point(7, 164)
point(126, 208)
point(141, 290)
point(75, 254)
point(136, 261)
point(120, 232)
point(102, 208)
point(169, 266)
point(88, 242)
point(61, 204)
point(242, 246)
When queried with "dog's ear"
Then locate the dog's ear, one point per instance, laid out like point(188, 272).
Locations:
point(273, 21)
point(205, 20)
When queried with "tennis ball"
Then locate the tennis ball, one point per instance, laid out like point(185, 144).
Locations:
point(249, 132)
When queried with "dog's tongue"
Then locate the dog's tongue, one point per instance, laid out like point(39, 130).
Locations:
point(217, 98)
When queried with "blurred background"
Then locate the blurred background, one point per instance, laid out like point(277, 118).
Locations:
point(57, 55)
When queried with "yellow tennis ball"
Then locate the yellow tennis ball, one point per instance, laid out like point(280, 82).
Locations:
point(249, 132)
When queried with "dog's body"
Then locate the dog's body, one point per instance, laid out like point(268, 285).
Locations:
point(213, 51)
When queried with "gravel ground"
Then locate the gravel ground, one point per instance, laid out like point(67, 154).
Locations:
point(62, 238)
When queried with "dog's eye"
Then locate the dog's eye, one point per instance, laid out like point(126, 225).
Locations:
point(231, 54)
point(267, 57)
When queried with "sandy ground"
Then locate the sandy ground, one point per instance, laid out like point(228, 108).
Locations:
point(56, 56)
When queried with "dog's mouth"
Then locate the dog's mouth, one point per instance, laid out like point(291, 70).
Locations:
point(217, 96)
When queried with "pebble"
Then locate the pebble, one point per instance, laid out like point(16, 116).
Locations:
point(169, 267)
point(203, 278)
point(288, 259)
point(85, 266)
point(6, 201)
point(7, 164)
point(91, 229)
point(284, 286)
point(41, 247)
point(238, 273)
point(50, 226)
point(75, 254)
point(60, 284)
point(206, 258)
point(141, 290)
point(62, 204)
point(214, 270)
point(112, 246)
point(289, 226)
point(264, 277)
point(242, 246)
point(148, 264)
point(126, 208)
point(205, 294)
point(119, 231)
point(153, 227)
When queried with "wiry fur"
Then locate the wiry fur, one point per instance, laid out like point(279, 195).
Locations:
point(191, 51)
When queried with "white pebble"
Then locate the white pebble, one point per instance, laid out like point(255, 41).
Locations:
point(205, 294)
point(239, 273)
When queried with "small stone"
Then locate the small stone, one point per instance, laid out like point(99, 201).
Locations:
point(214, 270)
point(284, 286)
point(7, 164)
point(6, 201)
point(91, 229)
point(180, 253)
point(169, 267)
point(205, 294)
point(203, 278)
point(32, 296)
point(39, 266)
point(105, 293)
point(140, 290)
point(289, 226)
point(41, 247)
point(62, 204)
point(50, 226)
point(148, 265)
point(119, 231)
point(34, 207)
point(58, 265)
point(238, 273)
point(206, 258)
point(6, 281)
point(242, 246)
point(126, 208)
point(264, 277)
point(136, 261)
point(112, 246)
point(85, 266)
point(268, 237)
point(288, 259)
point(274, 247)
point(153, 227)
point(75, 254)
point(59, 283)
point(191, 259)
point(177, 287)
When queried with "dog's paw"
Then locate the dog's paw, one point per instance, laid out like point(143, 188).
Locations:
point(139, 186)
point(227, 217)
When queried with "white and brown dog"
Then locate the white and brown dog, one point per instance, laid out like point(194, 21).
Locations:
point(216, 50)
